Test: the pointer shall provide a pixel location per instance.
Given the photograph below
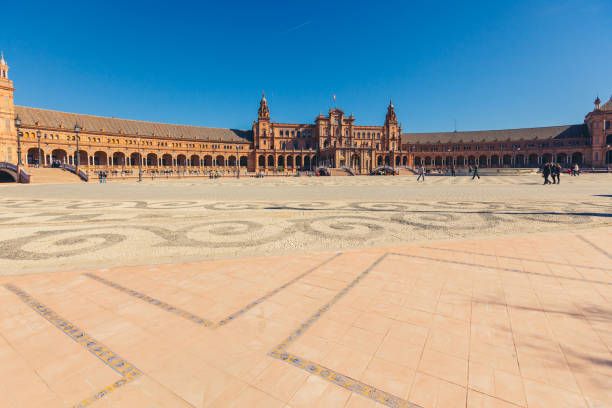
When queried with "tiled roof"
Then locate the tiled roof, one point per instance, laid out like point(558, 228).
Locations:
point(56, 119)
point(479, 136)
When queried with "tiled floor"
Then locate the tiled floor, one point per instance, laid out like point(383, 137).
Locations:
point(517, 321)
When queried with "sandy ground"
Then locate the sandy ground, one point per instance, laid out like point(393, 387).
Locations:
point(75, 226)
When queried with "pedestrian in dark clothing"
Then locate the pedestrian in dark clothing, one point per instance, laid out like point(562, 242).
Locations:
point(553, 174)
point(453, 173)
point(476, 172)
point(557, 171)
point(546, 173)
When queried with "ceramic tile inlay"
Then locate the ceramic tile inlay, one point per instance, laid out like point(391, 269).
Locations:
point(107, 356)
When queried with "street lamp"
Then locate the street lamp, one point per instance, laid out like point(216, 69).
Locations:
point(237, 164)
point(18, 125)
point(38, 136)
point(77, 129)
point(139, 163)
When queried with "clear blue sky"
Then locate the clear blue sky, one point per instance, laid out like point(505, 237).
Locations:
point(489, 64)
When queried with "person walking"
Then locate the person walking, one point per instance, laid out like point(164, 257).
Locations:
point(476, 172)
point(453, 171)
point(553, 174)
point(421, 173)
point(546, 173)
point(557, 169)
point(576, 170)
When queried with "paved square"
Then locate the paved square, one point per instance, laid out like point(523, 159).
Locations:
point(515, 313)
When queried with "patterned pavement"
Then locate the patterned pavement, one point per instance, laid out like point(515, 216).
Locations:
point(522, 320)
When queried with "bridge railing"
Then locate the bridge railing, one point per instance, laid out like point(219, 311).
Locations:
point(71, 168)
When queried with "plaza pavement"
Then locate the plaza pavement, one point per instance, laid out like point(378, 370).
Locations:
point(470, 302)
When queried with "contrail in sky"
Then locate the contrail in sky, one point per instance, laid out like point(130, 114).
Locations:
point(297, 27)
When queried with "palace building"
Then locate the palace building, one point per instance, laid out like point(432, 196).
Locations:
point(32, 136)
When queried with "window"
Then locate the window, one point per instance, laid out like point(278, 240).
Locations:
point(607, 124)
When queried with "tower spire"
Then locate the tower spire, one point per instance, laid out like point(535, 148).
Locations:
point(264, 112)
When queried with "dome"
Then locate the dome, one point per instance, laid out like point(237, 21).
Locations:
point(607, 106)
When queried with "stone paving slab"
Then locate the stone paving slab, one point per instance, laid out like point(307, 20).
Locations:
point(513, 321)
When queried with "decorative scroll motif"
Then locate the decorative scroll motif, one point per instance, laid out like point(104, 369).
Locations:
point(107, 356)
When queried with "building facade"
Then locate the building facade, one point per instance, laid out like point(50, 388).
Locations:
point(47, 137)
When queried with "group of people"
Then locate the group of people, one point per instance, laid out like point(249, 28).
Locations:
point(552, 170)
point(102, 175)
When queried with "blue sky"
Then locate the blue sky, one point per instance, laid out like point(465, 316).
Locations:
point(487, 65)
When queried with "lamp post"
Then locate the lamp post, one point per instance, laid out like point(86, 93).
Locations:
point(139, 163)
point(18, 125)
point(77, 162)
point(237, 163)
point(38, 137)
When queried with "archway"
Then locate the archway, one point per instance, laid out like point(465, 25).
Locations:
point(577, 158)
point(290, 162)
point(507, 160)
point(380, 161)
point(438, 161)
point(519, 160)
point(460, 161)
point(417, 161)
point(135, 159)
point(387, 161)
point(609, 157)
point(220, 161)
point(562, 158)
point(270, 161)
point(428, 161)
point(33, 156)
point(59, 155)
point(6, 177)
point(100, 158)
point(449, 161)
point(471, 161)
point(195, 160)
point(231, 161)
point(181, 160)
point(244, 161)
point(298, 161)
point(167, 160)
point(281, 161)
point(494, 160)
point(151, 159)
point(482, 161)
point(118, 159)
point(404, 161)
point(83, 158)
point(547, 158)
point(208, 160)
point(533, 160)
point(261, 161)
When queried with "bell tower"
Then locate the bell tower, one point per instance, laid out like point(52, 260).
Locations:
point(393, 130)
point(262, 129)
point(8, 134)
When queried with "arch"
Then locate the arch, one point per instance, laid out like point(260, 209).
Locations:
point(181, 160)
point(261, 161)
point(6, 177)
point(167, 160)
point(507, 160)
point(195, 160)
point(449, 161)
point(494, 160)
point(482, 161)
point(547, 158)
point(33, 156)
point(404, 161)
point(298, 161)
point(577, 158)
point(270, 161)
point(387, 161)
point(471, 160)
point(119, 159)
point(460, 161)
point(398, 161)
point(519, 160)
point(290, 161)
point(208, 160)
point(307, 162)
point(244, 161)
point(59, 155)
point(427, 161)
point(562, 158)
point(533, 159)
point(609, 139)
point(220, 160)
point(281, 161)
point(231, 161)
point(151, 159)
point(135, 159)
point(438, 161)
point(100, 158)
point(609, 157)
point(83, 158)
